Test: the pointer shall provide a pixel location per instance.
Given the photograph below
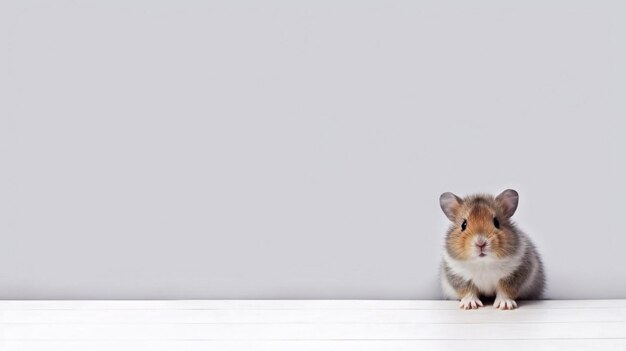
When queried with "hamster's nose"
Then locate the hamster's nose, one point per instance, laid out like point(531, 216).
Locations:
point(481, 244)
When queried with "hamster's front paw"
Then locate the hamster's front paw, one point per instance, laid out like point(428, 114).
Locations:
point(470, 301)
point(504, 303)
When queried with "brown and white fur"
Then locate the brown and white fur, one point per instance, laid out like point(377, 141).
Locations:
point(486, 255)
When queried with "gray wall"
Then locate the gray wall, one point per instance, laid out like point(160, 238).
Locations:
point(281, 149)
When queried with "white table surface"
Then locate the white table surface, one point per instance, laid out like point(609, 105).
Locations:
point(310, 325)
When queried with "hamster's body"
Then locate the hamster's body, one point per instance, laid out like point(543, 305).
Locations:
point(486, 254)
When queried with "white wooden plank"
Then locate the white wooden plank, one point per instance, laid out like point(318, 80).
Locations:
point(386, 345)
point(291, 304)
point(325, 331)
point(483, 315)
point(228, 304)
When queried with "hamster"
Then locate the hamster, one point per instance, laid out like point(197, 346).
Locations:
point(486, 255)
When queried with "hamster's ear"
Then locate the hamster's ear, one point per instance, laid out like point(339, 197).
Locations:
point(508, 200)
point(450, 204)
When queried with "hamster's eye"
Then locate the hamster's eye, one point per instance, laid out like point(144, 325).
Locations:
point(496, 223)
point(464, 225)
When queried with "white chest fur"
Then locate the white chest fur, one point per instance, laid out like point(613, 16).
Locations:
point(485, 272)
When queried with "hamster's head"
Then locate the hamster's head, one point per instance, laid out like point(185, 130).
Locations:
point(481, 227)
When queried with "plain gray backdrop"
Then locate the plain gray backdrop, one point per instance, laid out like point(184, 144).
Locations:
point(297, 149)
